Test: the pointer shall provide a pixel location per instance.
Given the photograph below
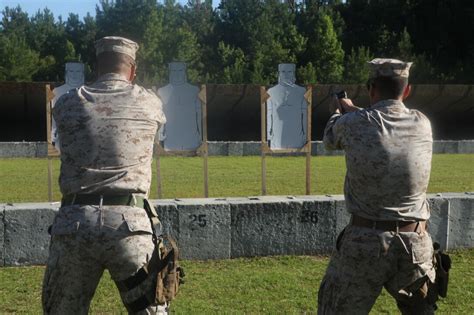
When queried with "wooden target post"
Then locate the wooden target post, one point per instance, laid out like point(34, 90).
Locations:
point(202, 150)
point(309, 100)
point(52, 151)
point(265, 148)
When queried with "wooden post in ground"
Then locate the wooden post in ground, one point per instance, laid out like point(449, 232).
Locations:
point(205, 153)
point(309, 98)
point(159, 189)
point(264, 145)
point(51, 150)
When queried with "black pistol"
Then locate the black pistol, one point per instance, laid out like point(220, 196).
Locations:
point(339, 95)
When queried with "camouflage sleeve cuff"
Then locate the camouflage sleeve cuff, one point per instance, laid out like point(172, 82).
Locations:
point(331, 139)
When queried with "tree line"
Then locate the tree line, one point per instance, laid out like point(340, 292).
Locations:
point(243, 41)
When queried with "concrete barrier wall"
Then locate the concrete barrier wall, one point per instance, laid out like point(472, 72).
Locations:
point(23, 149)
point(220, 148)
point(237, 227)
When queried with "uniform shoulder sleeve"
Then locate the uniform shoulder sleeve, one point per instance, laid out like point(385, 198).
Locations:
point(154, 106)
point(334, 132)
point(61, 103)
point(423, 121)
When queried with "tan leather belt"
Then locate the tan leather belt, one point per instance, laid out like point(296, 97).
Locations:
point(395, 226)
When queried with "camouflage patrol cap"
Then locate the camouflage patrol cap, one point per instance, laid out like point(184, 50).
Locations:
point(380, 67)
point(116, 44)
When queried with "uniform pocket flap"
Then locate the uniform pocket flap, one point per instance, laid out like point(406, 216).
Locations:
point(421, 252)
point(137, 222)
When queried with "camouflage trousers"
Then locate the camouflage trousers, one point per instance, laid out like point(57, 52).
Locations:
point(86, 240)
point(366, 260)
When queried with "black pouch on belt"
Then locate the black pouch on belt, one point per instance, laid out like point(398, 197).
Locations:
point(442, 266)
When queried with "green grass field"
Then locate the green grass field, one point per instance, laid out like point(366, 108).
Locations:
point(268, 285)
point(25, 180)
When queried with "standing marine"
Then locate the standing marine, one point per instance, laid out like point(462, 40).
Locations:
point(388, 150)
point(106, 132)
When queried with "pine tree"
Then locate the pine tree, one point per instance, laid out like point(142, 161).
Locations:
point(151, 69)
point(14, 21)
point(17, 61)
point(356, 70)
point(324, 49)
point(82, 34)
point(265, 31)
point(183, 46)
point(255, 36)
point(47, 37)
point(125, 18)
point(307, 74)
point(233, 64)
point(404, 47)
point(178, 41)
point(200, 18)
point(422, 71)
point(385, 44)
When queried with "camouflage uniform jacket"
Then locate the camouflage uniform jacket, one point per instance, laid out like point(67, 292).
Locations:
point(107, 133)
point(388, 156)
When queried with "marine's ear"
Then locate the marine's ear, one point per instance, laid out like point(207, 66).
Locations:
point(406, 91)
point(132, 73)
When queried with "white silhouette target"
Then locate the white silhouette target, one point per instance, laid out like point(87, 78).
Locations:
point(182, 108)
point(287, 112)
point(74, 78)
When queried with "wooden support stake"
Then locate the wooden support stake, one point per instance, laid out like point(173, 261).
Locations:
point(203, 98)
point(159, 188)
point(206, 179)
point(51, 149)
point(50, 179)
point(309, 97)
point(264, 175)
point(263, 119)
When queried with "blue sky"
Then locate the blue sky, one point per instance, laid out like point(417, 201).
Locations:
point(60, 7)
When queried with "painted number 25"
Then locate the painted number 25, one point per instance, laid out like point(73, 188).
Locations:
point(199, 219)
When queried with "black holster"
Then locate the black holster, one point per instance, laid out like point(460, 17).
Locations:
point(442, 265)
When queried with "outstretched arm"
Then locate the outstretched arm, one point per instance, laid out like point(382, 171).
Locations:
point(334, 131)
point(346, 105)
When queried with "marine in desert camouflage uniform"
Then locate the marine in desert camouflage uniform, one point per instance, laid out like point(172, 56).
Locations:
point(106, 133)
point(388, 150)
